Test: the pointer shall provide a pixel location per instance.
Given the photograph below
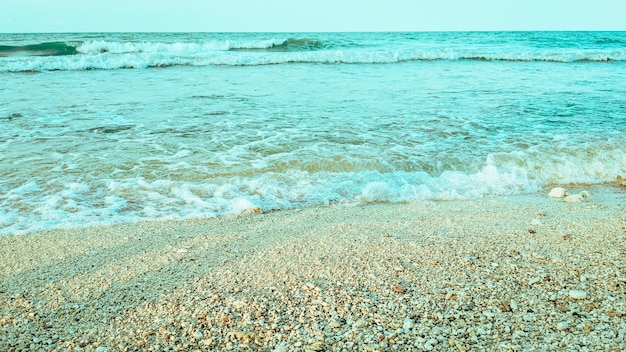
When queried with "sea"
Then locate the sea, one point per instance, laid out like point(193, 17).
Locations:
point(104, 128)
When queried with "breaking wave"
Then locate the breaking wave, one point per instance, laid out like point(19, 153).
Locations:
point(106, 55)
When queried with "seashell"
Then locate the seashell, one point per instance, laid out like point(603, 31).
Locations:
point(557, 192)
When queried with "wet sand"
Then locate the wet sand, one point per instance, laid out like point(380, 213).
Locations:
point(504, 273)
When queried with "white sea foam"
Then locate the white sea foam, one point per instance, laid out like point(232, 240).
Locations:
point(140, 199)
point(103, 55)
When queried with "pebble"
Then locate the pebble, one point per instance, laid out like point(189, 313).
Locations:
point(408, 324)
point(539, 257)
point(335, 323)
point(101, 349)
point(535, 222)
point(562, 325)
point(577, 294)
point(283, 347)
point(318, 346)
point(359, 323)
point(557, 192)
point(576, 198)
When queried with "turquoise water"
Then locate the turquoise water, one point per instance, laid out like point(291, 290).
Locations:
point(104, 128)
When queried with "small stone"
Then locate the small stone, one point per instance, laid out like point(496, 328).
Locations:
point(562, 308)
point(562, 325)
point(535, 222)
point(385, 234)
point(557, 192)
point(552, 297)
point(101, 349)
point(534, 280)
point(359, 323)
point(539, 257)
point(183, 250)
point(282, 347)
point(397, 289)
point(255, 210)
point(335, 323)
point(428, 347)
point(408, 324)
point(576, 198)
point(577, 294)
point(318, 346)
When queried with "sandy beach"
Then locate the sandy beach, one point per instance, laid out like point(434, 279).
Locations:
point(514, 273)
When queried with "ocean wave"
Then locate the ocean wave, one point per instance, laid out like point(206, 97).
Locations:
point(68, 202)
point(287, 45)
point(41, 49)
point(106, 55)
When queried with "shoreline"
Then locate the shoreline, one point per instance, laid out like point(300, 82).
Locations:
point(507, 272)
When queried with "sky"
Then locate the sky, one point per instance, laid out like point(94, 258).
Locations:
point(308, 15)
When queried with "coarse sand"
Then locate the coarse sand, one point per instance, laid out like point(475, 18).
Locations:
point(518, 273)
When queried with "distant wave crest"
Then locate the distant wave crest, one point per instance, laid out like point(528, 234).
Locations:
point(41, 49)
point(287, 45)
point(105, 55)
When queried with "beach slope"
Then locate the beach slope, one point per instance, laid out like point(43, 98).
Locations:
point(519, 273)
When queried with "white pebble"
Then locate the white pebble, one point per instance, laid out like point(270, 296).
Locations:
point(577, 294)
point(282, 347)
point(101, 349)
point(576, 198)
point(557, 192)
point(408, 324)
point(433, 342)
point(562, 325)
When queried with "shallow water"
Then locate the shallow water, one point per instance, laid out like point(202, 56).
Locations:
point(145, 126)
